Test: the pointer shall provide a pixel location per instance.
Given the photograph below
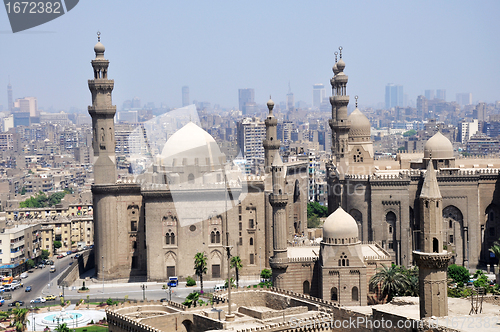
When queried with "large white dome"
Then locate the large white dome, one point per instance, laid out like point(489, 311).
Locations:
point(191, 145)
point(438, 147)
point(340, 228)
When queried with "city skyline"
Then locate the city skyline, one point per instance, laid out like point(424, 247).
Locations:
point(247, 46)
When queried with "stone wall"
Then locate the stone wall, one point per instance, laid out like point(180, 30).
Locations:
point(84, 263)
point(267, 314)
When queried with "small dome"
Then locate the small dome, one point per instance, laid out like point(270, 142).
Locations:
point(340, 225)
point(438, 147)
point(270, 103)
point(99, 48)
point(360, 125)
point(192, 143)
point(335, 69)
point(341, 65)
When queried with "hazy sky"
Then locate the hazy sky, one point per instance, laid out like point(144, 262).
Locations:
point(217, 47)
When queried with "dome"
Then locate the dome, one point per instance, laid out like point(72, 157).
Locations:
point(191, 145)
point(270, 103)
point(360, 125)
point(438, 147)
point(340, 225)
point(341, 65)
point(99, 48)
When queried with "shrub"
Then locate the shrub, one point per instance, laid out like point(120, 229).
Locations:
point(109, 301)
point(458, 273)
point(190, 281)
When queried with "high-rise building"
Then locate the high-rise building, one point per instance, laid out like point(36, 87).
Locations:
point(429, 94)
point(251, 133)
point(246, 96)
point(480, 112)
point(394, 96)
point(441, 94)
point(319, 93)
point(9, 98)
point(26, 105)
point(422, 107)
point(464, 98)
point(289, 99)
point(185, 96)
point(136, 102)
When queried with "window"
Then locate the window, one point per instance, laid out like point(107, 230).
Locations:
point(169, 238)
point(492, 231)
point(134, 262)
point(390, 229)
point(252, 259)
point(391, 245)
point(133, 225)
point(240, 226)
point(355, 293)
point(451, 238)
point(170, 271)
point(250, 223)
point(134, 244)
point(215, 271)
point(251, 241)
point(333, 293)
point(306, 287)
point(241, 241)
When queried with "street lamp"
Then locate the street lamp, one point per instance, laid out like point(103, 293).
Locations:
point(102, 258)
point(144, 287)
point(32, 317)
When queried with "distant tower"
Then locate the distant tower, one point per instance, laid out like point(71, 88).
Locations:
point(271, 143)
point(102, 112)
point(279, 200)
point(340, 125)
point(185, 96)
point(432, 261)
point(9, 97)
point(319, 93)
point(245, 97)
point(289, 99)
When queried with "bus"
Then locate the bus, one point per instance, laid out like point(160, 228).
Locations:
point(7, 280)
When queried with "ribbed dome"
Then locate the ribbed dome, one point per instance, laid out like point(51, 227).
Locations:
point(438, 147)
point(192, 143)
point(360, 125)
point(340, 226)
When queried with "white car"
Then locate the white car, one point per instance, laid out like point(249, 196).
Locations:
point(38, 300)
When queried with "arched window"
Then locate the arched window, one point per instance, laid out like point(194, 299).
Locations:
point(167, 238)
point(217, 237)
point(251, 241)
point(306, 287)
point(333, 293)
point(191, 178)
point(435, 245)
point(212, 237)
point(172, 238)
point(355, 293)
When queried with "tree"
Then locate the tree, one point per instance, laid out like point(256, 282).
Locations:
point(20, 319)
point(23, 191)
point(496, 249)
point(314, 212)
point(236, 264)
point(45, 254)
point(391, 281)
point(62, 328)
point(266, 274)
point(30, 263)
point(191, 299)
point(57, 244)
point(459, 274)
point(409, 133)
point(200, 266)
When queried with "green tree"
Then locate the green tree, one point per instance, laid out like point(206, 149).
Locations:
point(266, 274)
point(30, 263)
point(20, 319)
point(200, 266)
point(391, 281)
point(496, 249)
point(233, 284)
point(459, 274)
point(62, 328)
point(57, 244)
point(409, 133)
point(315, 211)
point(56, 198)
point(23, 191)
point(191, 299)
point(45, 254)
point(236, 264)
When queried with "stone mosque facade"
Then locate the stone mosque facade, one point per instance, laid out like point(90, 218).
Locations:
point(376, 213)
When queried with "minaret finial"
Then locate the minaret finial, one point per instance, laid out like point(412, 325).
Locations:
point(336, 53)
point(356, 97)
point(340, 54)
point(98, 36)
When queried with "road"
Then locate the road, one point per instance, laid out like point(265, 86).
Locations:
point(39, 280)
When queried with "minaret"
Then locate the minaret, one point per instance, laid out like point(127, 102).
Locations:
point(433, 260)
point(340, 123)
point(334, 109)
point(102, 112)
point(9, 97)
point(271, 143)
point(279, 199)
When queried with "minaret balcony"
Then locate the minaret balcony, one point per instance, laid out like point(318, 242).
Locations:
point(268, 144)
point(341, 100)
point(342, 124)
point(341, 79)
point(278, 199)
point(101, 84)
point(432, 260)
point(271, 121)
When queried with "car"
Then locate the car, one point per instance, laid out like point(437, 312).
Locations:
point(2, 301)
point(164, 300)
point(74, 251)
point(41, 266)
point(76, 256)
point(50, 298)
point(69, 252)
point(24, 275)
point(60, 256)
point(15, 303)
point(2, 289)
point(8, 288)
point(38, 300)
point(31, 271)
point(27, 289)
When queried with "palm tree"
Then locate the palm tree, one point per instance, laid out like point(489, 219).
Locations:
point(496, 250)
point(236, 263)
point(390, 281)
point(200, 266)
point(20, 319)
point(191, 299)
point(62, 328)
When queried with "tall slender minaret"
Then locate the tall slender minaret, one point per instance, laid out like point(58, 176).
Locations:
point(102, 112)
point(271, 143)
point(340, 123)
point(433, 260)
point(334, 109)
point(279, 199)
point(9, 97)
